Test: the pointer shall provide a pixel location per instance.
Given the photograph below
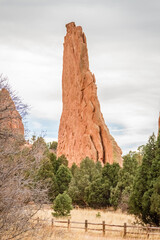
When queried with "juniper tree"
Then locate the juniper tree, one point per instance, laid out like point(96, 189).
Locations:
point(62, 205)
point(121, 192)
point(140, 200)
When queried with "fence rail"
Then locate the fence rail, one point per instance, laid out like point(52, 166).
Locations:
point(104, 227)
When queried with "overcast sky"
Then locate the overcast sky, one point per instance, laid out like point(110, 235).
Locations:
point(123, 38)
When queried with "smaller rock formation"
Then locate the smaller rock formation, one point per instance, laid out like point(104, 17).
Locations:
point(10, 119)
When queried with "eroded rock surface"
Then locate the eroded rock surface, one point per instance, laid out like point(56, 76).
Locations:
point(82, 130)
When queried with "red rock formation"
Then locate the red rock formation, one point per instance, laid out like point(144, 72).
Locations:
point(82, 130)
point(10, 119)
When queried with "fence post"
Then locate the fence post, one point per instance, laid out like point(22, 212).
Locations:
point(125, 229)
point(103, 223)
point(52, 222)
point(147, 229)
point(68, 224)
point(86, 225)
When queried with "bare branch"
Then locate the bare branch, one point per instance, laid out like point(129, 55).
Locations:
point(18, 165)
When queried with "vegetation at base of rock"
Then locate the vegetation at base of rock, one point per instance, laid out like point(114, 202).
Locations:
point(121, 192)
point(53, 145)
point(133, 188)
point(35, 173)
point(83, 177)
point(63, 178)
point(57, 162)
point(145, 197)
point(62, 205)
point(55, 173)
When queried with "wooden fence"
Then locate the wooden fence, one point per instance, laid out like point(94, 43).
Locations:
point(104, 227)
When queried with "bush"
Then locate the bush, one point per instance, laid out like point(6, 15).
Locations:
point(144, 201)
point(53, 145)
point(63, 177)
point(62, 205)
point(98, 215)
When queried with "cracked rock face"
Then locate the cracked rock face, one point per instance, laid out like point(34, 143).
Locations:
point(10, 119)
point(82, 130)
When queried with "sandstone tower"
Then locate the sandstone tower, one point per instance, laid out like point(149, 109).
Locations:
point(82, 130)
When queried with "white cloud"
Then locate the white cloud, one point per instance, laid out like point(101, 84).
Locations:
point(47, 139)
point(36, 125)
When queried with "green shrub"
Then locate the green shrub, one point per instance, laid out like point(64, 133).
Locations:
point(62, 205)
point(98, 215)
point(63, 177)
point(53, 145)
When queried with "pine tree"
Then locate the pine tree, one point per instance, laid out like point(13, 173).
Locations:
point(97, 193)
point(57, 162)
point(62, 205)
point(121, 193)
point(73, 169)
point(83, 176)
point(155, 186)
point(63, 177)
point(101, 186)
point(140, 200)
point(155, 169)
point(110, 173)
point(46, 175)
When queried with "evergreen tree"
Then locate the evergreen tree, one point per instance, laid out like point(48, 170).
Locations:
point(53, 159)
point(83, 176)
point(140, 200)
point(62, 160)
point(155, 169)
point(63, 177)
point(110, 173)
point(99, 167)
point(62, 205)
point(77, 188)
point(121, 193)
point(46, 175)
point(155, 202)
point(53, 145)
point(155, 186)
point(73, 169)
point(97, 193)
point(57, 162)
point(88, 167)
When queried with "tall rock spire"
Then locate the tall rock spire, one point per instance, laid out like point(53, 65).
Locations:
point(82, 130)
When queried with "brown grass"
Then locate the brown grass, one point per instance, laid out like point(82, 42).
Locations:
point(109, 216)
point(47, 232)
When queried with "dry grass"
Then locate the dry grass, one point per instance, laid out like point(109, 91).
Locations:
point(109, 216)
point(47, 232)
